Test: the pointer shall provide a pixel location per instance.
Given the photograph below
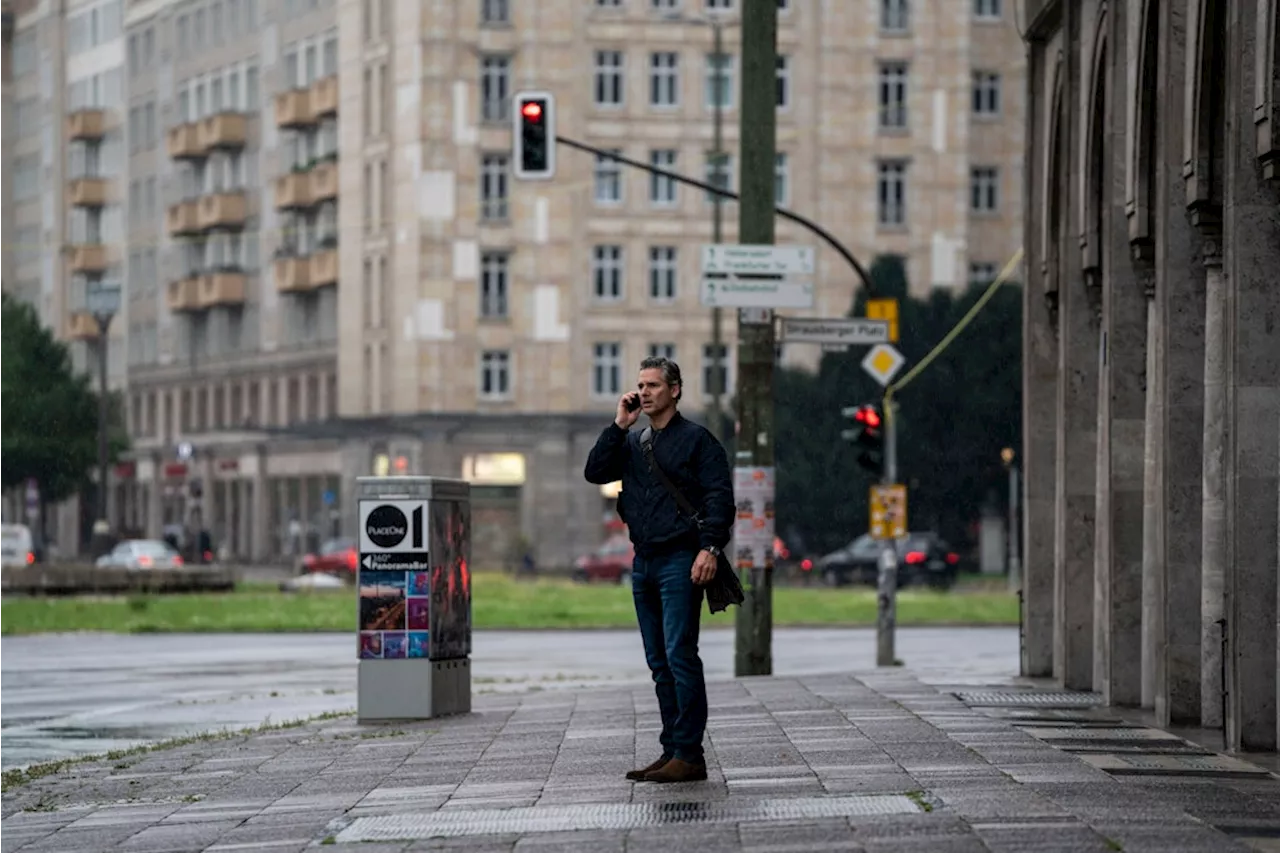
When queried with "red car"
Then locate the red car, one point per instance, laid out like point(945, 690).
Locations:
point(336, 557)
point(610, 562)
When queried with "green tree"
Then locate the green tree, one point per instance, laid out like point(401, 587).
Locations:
point(50, 424)
point(954, 418)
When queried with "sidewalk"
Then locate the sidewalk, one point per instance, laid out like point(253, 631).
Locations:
point(874, 761)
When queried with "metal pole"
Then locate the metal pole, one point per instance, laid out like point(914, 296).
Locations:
point(887, 580)
point(753, 640)
point(103, 324)
point(717, 363)
point(1015, 562)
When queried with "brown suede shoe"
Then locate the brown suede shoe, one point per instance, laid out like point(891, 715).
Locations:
point(638, 775)
point(678, 770)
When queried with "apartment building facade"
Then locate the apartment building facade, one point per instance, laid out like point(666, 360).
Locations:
point(466, 324)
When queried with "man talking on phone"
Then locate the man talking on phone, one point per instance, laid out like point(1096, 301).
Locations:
point(676, 555)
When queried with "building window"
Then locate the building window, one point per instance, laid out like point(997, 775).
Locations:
point(662, 190)
point(606, 370)
point(606, 273)
point(719, 5)
point(664, 79)
point(493, 285)
point(493, 187)
point(608, 89)
point(784, 82)
point(608, 179)
point(986, 93)
point(719, 173)
point(893, 95)
point(985, 189)
point(665, 5)
point(609, 4)
point(895, 16)
point(495, 374)
point(982, 272)
point(719, 81)
point(662, 273)
point(495, 77)
point(664, 350)
point(715, 377)
point(987, 10)
point(780, 183)
point(891, 193)
point(495, 11)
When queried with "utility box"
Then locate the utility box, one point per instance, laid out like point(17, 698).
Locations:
point(413, 589)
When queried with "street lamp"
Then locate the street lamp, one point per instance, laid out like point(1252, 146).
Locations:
point(103, 301)
point(718, 375)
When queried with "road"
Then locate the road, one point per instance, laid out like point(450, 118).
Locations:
point(80, 694)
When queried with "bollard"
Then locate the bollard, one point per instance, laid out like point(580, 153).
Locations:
point(413, 598)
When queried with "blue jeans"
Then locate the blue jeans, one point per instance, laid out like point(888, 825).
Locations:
point(668, 606)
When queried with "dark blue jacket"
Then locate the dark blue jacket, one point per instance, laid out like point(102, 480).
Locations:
point(694, 461)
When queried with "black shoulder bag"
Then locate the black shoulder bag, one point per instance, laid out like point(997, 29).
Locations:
point(724, 588)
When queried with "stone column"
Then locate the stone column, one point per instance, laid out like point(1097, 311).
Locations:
point(1179, 384)
point(1153, 500)
point(1251, 487)
point(1213, 559)
point(322, 396)
point(155, 503)
point(1117, 670)
point(1039, 391)
point(260, 508)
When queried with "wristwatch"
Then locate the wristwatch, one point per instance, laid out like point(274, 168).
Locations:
point(713, 550)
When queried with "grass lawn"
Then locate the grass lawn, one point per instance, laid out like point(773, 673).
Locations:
point(497, 602)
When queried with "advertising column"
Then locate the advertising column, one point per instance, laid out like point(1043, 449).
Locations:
point(413, 597)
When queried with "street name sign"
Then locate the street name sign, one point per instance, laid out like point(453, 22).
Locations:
point(757, 259)
point(756, 293)
point(855, 330)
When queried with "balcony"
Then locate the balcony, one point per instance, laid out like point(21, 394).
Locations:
point(324, 96)
point(221, 288)
point(293, 275)
point(184, 294)
point(89, 258)
point(87, 192)
point(293, 108)
point(324, 267)
point(221, 210)
point(182, 219)
point(324, 181)
point(87, 124)
point(184, 142)
point(82, 326)
point(293, 191)
point(224, 130)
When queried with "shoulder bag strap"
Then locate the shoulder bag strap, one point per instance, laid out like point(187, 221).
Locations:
point(646, 444)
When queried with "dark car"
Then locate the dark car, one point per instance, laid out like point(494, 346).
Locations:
point(924, 558)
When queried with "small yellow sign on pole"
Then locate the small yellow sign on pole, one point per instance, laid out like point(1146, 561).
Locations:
point(885, 309)
point(888, 511)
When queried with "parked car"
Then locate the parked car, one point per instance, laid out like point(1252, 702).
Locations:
point(140, 554)
point(335, 557)
point(923, 558)
point(17, 545)
point(610, 562)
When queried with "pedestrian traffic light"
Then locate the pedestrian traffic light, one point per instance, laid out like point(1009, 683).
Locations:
point(867, 436)
point(534, 136)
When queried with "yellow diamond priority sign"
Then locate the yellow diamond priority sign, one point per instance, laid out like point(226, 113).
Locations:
point(883, 363)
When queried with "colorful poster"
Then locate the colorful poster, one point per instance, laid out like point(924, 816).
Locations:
point(753, 489)
point(419, 614)
point(383, 614)
point(419, 644)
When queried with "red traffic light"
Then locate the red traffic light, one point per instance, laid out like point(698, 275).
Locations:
point(868, 416)
point(531, 110)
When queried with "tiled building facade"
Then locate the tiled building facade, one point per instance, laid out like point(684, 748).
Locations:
point(332, 270)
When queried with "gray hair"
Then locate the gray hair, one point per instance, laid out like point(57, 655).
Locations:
point(670, 371)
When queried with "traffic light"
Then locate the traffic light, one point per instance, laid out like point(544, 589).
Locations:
point(867, 436)
point(534, 136)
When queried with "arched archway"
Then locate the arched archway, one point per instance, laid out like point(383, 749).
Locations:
point(1205, 123)
point(1141, 193)
point(1056, 189)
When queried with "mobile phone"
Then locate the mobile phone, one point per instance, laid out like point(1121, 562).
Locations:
point(632, 403)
